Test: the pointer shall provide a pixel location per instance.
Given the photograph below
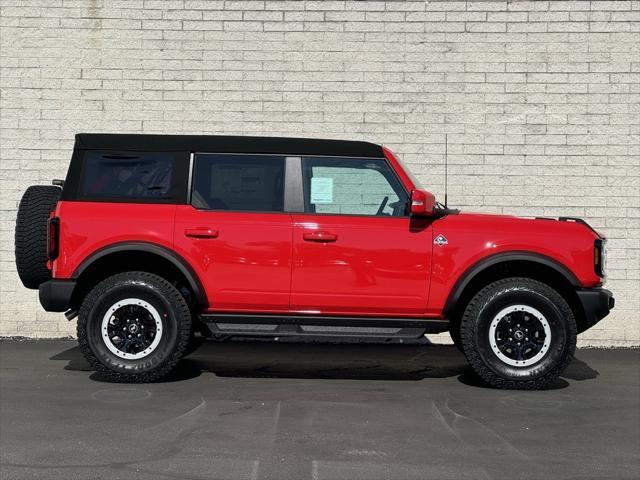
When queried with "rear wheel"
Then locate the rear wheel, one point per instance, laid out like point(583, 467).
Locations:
point(518, 333)
point(34, 211)
point(134, 327)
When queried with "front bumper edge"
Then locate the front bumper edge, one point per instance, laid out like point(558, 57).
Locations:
point(596, 304)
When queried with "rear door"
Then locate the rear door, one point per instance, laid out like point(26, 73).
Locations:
point(355, 249)
point(235, 232)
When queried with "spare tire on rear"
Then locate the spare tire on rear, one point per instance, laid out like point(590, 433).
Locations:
point(31, 234)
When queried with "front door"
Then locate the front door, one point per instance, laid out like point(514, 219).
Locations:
point(236, 234)
point(355, 249)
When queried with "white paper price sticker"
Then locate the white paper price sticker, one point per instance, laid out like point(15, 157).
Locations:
point(321, 190)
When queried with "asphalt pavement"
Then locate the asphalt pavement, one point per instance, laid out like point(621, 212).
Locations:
point(269, 410)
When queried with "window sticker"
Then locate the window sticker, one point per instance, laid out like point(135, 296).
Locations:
point(321, 190)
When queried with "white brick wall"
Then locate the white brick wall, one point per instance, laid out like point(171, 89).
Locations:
point(540, 100)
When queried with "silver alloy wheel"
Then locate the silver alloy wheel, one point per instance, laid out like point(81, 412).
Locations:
point(131, 328)
point(519, 335)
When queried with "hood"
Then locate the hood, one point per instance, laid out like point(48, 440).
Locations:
point(546, 224)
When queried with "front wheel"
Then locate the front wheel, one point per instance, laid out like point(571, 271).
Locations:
point(134, 327)
point(518, 333)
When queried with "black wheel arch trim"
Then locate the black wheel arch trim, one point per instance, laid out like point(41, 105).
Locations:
point(176, 260)
point(470, 273)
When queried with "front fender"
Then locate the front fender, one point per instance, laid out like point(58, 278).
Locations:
point(470, 273)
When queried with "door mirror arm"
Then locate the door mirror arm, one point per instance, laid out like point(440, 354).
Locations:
point(442, 211)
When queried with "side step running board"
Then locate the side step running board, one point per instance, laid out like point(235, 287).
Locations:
point(246, 329)
point(320, 325)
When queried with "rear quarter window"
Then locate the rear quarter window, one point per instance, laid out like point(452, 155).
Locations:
point(152, 177)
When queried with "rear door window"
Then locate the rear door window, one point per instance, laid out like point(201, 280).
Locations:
point(248, 183)
point(129, 176)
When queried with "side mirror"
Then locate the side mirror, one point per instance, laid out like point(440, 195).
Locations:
point(422, 203)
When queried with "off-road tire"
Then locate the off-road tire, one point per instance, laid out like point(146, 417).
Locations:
point(474, 333)
point(31, 234)
point(176, 325)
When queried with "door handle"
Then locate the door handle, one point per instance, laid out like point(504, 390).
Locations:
point(201, 232)
point(319, 236)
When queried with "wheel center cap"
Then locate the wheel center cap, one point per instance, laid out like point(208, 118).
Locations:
point(518, 334)
point(133, 328)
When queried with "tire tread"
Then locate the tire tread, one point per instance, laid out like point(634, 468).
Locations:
point(483, 298)
point(181, 312)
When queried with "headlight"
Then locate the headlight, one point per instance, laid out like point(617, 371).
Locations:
point(599, 256)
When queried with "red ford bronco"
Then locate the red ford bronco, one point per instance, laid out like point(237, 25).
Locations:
point(155, 242)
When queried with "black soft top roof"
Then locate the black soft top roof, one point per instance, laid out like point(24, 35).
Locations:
point(226, 144)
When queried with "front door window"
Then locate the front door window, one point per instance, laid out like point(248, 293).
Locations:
point(352, 186)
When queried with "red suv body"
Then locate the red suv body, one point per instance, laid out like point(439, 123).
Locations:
point(282, 234)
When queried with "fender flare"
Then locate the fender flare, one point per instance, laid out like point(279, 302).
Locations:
point(176, 260)
point(470, 273)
